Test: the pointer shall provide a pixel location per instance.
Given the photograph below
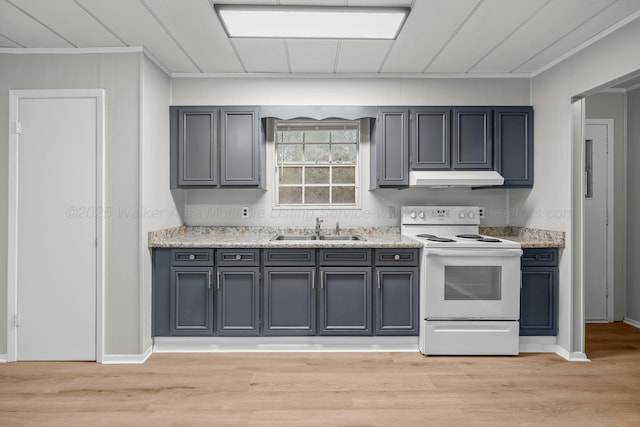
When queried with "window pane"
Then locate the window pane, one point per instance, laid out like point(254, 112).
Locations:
point(289, 153)
point(292, 136)
point(343, 175)
point(316, 153)
point(316, 136)
point(291, 176)
point(290, 195)
point(350, 135)
point(343, 195)
point(316, 175)
point(343, 153)
point(315, 195)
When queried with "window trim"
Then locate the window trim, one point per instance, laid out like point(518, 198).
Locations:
point(275, 123)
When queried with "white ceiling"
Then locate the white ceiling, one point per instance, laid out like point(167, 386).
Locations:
point(470, 37)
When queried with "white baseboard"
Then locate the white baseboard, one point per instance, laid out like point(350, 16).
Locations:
point(632, 322)
point(123, 359)
point(576, 356)
point(549, 345)
point(4, 358)
point(284, 344)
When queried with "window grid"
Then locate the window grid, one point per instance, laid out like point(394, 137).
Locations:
point(305, 163)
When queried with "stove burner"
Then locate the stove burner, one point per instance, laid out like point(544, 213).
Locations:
point(479, 238)
point(426, 236)
point(440, 239)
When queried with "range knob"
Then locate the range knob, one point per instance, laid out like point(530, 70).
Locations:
point(421, 215)
point(462, 215)
point(412, 215)
point(471, 215)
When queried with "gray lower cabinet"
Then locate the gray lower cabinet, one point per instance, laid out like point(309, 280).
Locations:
point(396, 300)
point(345, 301)
point(539, 292)
point(191, 301)
point(289, 301)
point(238, 301)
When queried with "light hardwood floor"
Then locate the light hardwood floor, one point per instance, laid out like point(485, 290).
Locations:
point(334, 389)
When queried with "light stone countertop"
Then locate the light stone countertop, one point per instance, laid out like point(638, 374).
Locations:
point(374, 237)
point(260, 237)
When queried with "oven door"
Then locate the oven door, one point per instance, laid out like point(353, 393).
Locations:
point(472, 284)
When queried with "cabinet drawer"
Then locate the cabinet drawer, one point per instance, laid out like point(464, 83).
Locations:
point(185, 257)
point(350, 257)
point(399, 257)
point(233, 257)
point(539, 257)
point(289, 257)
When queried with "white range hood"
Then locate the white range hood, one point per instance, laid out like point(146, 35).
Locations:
point(454, 178)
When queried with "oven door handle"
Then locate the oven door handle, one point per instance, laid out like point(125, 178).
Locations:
point(475, 253)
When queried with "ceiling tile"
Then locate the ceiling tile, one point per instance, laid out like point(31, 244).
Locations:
point(312, 56)
point(24, 30)
point(362, 56)
point(262, 55)
point(133, 23)
point(610, 16)
point(204, 39)
point(428, 27)
point(71, 21)
point(545, 28)
point(494, 20)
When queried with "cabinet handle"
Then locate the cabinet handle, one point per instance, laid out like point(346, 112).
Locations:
point(192, 257)
point(378, 272)
point(321, 280)
point(313, 281)
point(209, 279)
point(218, 279)
point(396, 257)
point(238, 257)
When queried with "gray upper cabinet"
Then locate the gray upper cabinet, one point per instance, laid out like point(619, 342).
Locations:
point(390, 159)
point(472, 143)
point(214, 147)
point(513, 131)
point(239, 147)
point(431, 138)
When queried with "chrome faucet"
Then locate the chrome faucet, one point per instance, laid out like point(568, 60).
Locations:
point(318, 222)
point(337, 228)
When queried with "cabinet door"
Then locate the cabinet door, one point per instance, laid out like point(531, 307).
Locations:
point(539, 301)
point(197, 151)
point(396, 301)
point(289, 301)
point(239, 146)
point(514, 145)
point(191, 311)
point(431, 138)
point(238, 298)
point(345, 301)
point(392, 147)
point(472, 145)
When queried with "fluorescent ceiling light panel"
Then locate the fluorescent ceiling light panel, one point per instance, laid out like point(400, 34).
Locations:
point(315, 22)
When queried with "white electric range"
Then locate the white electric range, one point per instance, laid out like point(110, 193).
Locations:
point(469, 283)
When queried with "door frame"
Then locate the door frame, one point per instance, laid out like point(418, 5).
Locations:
point(610, 210)
point(12, 268)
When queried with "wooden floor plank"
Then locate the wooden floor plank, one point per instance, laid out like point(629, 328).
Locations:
point(334, 389)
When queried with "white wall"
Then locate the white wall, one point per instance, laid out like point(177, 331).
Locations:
point(158, 206)
point(549, 204)
point(612, 105)
point(633, 206)
point(120, 76)
point(380, 207)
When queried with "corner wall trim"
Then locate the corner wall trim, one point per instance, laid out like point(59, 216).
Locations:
point(634, 323)
point(127, 359)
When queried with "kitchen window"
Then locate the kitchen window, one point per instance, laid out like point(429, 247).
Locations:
point(317, 162)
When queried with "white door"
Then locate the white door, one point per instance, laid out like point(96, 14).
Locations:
point(56, 232)
point(596, 244)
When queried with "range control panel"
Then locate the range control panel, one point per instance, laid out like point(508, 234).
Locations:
point(432, 215)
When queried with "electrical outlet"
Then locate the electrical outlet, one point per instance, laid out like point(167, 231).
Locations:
point(481, 212)
point(245, 212)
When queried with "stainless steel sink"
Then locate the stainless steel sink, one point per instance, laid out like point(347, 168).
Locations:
point(314, 237)
point(294, 237)
point(347, 237)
